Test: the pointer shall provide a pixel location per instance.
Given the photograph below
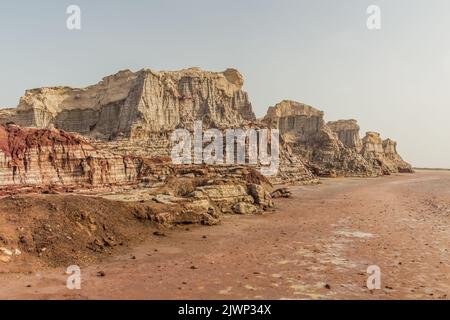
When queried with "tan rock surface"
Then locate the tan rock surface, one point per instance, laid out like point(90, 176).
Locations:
point(134, 114)
point(133, 103)
point(347, 132)
point(390, 153)
point(304, 129)
point(383, 154)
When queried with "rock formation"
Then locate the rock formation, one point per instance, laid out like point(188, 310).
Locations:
point(134, 104)
point(55, 159)
point(109, 143)
point(304, 129)
point(45, 157)
point(391, 154)
point(383, 154)
point(132, 114)
point(347, 132)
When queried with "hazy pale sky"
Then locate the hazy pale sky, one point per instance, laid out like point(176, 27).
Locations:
point(395, 80)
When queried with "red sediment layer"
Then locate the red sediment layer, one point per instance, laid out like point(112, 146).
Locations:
point(15, 141)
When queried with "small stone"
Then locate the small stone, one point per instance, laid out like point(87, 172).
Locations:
point(5, 259)
point(429, 291)
point(101, 274)
point(6, 251)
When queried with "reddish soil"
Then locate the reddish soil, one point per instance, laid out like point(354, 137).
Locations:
point(316, 245)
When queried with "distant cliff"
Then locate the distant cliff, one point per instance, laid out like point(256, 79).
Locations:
point(334, 148)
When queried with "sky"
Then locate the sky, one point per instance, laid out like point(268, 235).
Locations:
point(395, 80)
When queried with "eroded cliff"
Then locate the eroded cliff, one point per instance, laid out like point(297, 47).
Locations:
point(133, 104)
point(304, 129)
point(347, 132)
point(383, 154)
point(134, 114)
point(31, 156)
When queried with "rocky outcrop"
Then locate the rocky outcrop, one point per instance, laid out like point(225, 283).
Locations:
point(347, 132)
point(304, 129)
point(297, 122)
point(292, 168)
point(383, 154)
point(134, 104)
point(53, 157)
point(333, 148)
point(372, 150)
point(133, 114)
point(228, 189)
point(391, 154)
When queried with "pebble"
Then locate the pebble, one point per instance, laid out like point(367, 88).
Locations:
point(6, 251)
point(5, 259)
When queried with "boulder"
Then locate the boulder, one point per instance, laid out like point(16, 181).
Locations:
point(260, 195)
point(245, 208)
point(281, 193)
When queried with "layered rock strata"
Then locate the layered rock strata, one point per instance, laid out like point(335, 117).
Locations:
point(304, 129)
point(133, 104)
point(390, 153)
point(133, 114)
point(347, 132)
point(383, 154)
point(334, 148)
point(54, 158)
point(32, 156)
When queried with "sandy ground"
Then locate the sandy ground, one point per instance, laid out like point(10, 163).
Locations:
point(316, 245)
